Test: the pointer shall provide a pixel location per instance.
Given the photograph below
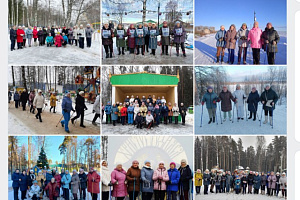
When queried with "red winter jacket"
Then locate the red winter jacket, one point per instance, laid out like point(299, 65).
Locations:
point(93, 183)
point(124, 112)
point(58, 179)
point(35, 33)
point(20, 34)
point(53, 190)
point(58, 40)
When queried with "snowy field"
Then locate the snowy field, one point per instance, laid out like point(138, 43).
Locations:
point(43, 55)
point(205, 51)
point(242, 127)
point(150, 59)
point(24, 123)
point(232, 196)
point(170, 129)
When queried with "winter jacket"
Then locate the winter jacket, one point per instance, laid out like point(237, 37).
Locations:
point(96, 106)
point(123, 111)
point(15, 179)
point(182, 110)
point(239, 96)
point(70, 35)
point(220, 37)
point(244, 181)
point(48, 178)
point(23, 182)
point(115, 112)
point(252, 101)
point(175, 111)
point(105, 179)
point(80, 103)
point(269, 96)
point(120, 189)
point(133, 176)
point(255, 37)
point(206, 179)
point(12, 34)
point(257, 182)
point(82, 180)
point(147, 182)
point(242, 36)
point(16, 96)
point(270, 35)
point(149, 119)
point(130, 110)
point(283, 182)
point(165, 33)
point(229, 179)
point(165, 111)
point(272, 182)
point(24, 36)
point(250, 179)
point(139, 119)
point(198, 179)
point(217, 180)
point(263, 180)
point(20, 34)
point(120, 34)
point(170, 112)
point(107, 109)
point(58, 40)
point(75, 32)
point(58, 180)
point(153, 33)
point(75, 183)
point(40, 179)
point(41, 35)
point(226, 98)
point(30, 179)
point(53, 100)
point(143, 111)
point(50, 40)
point(24, 97)
point(65, 38)
point(230, 38)
point(185, 177)
point(210, 100)
point(174, 177)
point(107, 35)
point(35, 33)
point(160, 176)
point(81, 33)
point(53, 190)
point(139, 35)
point(89, 32)
point(29, 33)
point(179, 34)
point(66, 180)
point(237, 184)
point(67, 104)
point(34, 190)
point(93, 180)
point(131, 39)
point(39, 101)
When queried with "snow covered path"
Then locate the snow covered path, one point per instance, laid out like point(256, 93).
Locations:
point(242, 127)
point(24, 123)
point(205, 51)
point(170, 129)
point(235, 197)
point(43, 55)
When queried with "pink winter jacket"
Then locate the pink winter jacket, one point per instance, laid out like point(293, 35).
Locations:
point(255, 37)
point(120, 189)
point(272, 181)
point(160, 184)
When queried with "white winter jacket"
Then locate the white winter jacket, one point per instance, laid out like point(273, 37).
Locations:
point(82, 32)
point(149, 118)
point(39, 101)
point(34, 190)
point(105, 179)
point(239, 95)
point(75, 31)
point(175, 111)
point(96, 106)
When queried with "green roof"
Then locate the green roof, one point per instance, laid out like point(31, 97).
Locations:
point(143, 79)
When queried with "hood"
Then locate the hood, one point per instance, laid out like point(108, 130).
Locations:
point(103, 27)
point(105, 168)
point(122, 171)
point(234, 28)
point(271, 29)
point(146, 167)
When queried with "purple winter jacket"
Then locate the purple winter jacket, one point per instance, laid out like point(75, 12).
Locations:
point(179, 34)
point(120, 189)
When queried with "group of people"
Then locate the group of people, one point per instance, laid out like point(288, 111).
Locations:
point(147, 181)
point(50, 184)
point(268, 98)
point(238, 181)
point(256, 38)
point(38, 102)
point(57, 36)
point(141, 38)
point(144, 112)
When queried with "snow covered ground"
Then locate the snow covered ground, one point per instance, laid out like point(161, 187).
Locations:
point(150, 59)
point(242, 127)
point(23, 122)
point(43, 55)
point(170, 129)
point(205, 51)
point(232, 196)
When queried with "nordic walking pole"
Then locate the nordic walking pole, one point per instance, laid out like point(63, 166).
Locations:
point(233, 113)
point(220, 113)
point(133, 188)
point(216, 115)
point(274, 53)
point(266, 54)
point(246, 111)
point(201, 116)
point(109, 192)
point(237, 114)
point(261, 114)
point(256, 112)
point(59, 121)
point(272, 116)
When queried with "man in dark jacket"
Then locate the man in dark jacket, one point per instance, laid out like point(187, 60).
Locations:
point(252, 101)
point(269, 98)
point(16, 183)
point(226, 105)
point(270, 40)
point(184, 181)
point(83, 184)
point(182, 110)
point(80, 108)
point(244, 182)
point(13, 37)
point(24, 99)
point(250, 180)
point(139, 121)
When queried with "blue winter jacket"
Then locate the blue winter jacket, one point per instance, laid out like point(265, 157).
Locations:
point(15, 178)
point(153, 38)
point(174, 177)
point(237, 184)
point(208, 98)
point(252, 101)
point(147, 182)
point(206, 179)
point(114, 110)
point(67, 104)
point(257, 181)
point(66, 38)
point(48, 178)
point(220, 34)
point(130, 110)
point(23, 182)
point(165, 111)
point(16, 97)
point(107, 109)
point(139, 40)
point(65, 181)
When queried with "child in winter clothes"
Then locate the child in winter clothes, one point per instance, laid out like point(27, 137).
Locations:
point(58, 40)
point(49, 40)
point(237, 185)
point(65, 41)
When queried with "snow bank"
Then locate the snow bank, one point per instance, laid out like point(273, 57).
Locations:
point(230, 196)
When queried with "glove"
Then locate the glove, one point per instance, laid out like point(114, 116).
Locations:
point(65, 110)
point(274, 42)
point(110, 184)
point(221, 39)
point(202, 103)
point(160, 177)
point(214, 102)
point(116, 183)
point(94, 111)
point(146, 181)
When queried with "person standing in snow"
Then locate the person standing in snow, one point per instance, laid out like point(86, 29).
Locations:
point(242, 36)
point(206, 181)
point(96, 110)
point(147, 37)
point(263, 181)
point(165, 33)
point(107, 110)
point(24, 37)
point(184, 181)
point(147, 182)
point(254, 37)
point(66, 109)
point(118, 179)
point(172, 184)
point(107, 40)
point(160, 178)
point(114, 114)
point(268, 98)
point(24, 98)
point(20, 34)
point(252, 101)
point(120, 34)
point(153, 33)
point(80, 107)
point(41, 37)
point(89, 33)
point(82, 184)
point(53, 101)
point(93, 182)
point(139, 35)
point(75, 35)
point(123, 112)
point(165, 112)
point(81, 36)
point(198, 181)
point(182, 111)
point(257, 183)
point(29, 35)
point(210, 98)
point(16, 183)
point(226, 105)
point(130, 111)
point(23, 184)
point(13, 37)
point(220, 37)
point(283, 185)
point(230, 39)
point(270, 39)
point(105, 180)
point(31, 98)
point(16, 99)
point(239, 96)
point(175, 111)
point(131, 39)
point(65, 183)
point(38, 103)
point(35, 35)
point(179, 37)
point(75, 184)
point(272, 183)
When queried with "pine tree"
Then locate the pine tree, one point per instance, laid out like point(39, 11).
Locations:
point(42, 161)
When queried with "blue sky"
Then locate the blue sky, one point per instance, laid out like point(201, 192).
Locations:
point(220, 12)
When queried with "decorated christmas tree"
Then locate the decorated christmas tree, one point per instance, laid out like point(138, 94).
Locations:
point(42, 161)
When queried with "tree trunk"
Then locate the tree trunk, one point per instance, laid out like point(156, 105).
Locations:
point(24, 77)
point(144, 10)
point(13, 75)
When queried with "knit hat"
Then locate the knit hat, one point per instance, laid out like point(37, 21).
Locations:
point(135, 161)
point(177, 22)
point(34, 181)
point(173, 163)
point(161, 162)
point(244, 24)
point(209, 87)
point(147, 161)
point(277, 173)
point(39, 91)
point(267, 85)
point(183, 161)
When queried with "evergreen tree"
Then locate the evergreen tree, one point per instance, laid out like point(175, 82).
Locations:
point(42, 161)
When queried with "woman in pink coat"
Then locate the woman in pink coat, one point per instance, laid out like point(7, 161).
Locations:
point(118, 179)
point(35, 35)
point(58, 40)
point(254, 37)
point(272, 183)
point(160, 177)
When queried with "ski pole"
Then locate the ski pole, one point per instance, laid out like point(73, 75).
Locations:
point(266, 53)
point(59, 121)
point(233, 114)
point(274, 53)
point(272, 116)
point(246, 111)
point(261, 114)
point(109, 192)
point(201, 116)
point(256, 112)
point(220, 113)
point(133, 188)
point(216, 114)
point(237, 114)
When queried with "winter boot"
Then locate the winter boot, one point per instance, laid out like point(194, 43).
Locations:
point(266, 119)
point(210, 120)
point(224, 120)
point(72, 120)
point(218, 59)
point(107, 55)
point(250, 116)
point(184, 55)
point(54, 110)
point(167, 51)
point(214, 119)
point(123, 51)
point(177, 53)
point(222, 59)
point(271, 121)
point(83, 126)
point(110, 54)
point(119, 49)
